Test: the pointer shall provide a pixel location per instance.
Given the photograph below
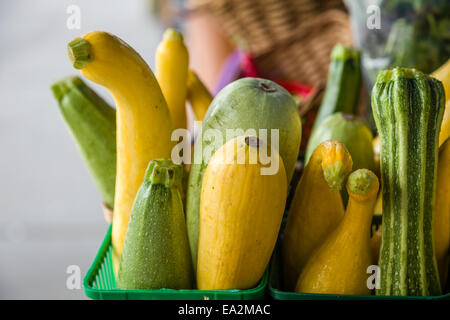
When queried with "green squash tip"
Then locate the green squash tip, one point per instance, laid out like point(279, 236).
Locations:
point(79, 51)
point(61, 87)
point(172, 34)
point(341, 52)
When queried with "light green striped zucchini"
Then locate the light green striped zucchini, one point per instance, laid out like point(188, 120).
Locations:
point(92, 123)
point(408, 107)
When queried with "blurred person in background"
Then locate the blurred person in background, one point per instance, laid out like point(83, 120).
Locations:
point(207, 42)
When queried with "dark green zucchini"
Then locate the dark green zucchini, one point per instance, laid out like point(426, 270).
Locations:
point(408, 107)
point(343, 85)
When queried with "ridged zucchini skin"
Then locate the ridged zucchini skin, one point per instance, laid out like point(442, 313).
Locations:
point(156, 249)
point(92, 123)
point(248, 103)
point(343, 84)
point(408, 107)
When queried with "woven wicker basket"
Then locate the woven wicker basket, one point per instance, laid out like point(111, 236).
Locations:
point(289, 39)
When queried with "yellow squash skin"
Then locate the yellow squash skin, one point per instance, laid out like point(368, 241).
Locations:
point(444, 134)
point(443, 74)
point(143, 121)
point(375, 245)
point(172, 61)
point(317, 207)
point(339, 265)
point(442, 212)
point(240, 216)
point(376, 154)
point(198, 95)
point(378, 210)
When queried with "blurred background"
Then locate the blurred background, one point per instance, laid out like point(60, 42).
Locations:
point(51, 215)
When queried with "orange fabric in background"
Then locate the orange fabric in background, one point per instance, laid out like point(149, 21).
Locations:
point(208, 47)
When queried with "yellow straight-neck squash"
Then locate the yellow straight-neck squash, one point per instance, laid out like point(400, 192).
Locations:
point(442, 212)
point(339, 264)
point(316, 208)
point(172, 61)
point(143, 121)
point(240, 216)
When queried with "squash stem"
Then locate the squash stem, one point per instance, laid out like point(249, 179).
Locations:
point(172, 35)
point(335, 174)
point(79, 51)
point(165, 172)
point(362, 184)
point(336, 162)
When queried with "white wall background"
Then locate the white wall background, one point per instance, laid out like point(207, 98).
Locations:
point(50, 214)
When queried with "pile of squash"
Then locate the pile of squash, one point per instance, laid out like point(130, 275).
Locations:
point(212, 222)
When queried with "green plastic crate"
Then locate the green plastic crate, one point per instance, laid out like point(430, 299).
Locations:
point(278, 294)
point(100, 284)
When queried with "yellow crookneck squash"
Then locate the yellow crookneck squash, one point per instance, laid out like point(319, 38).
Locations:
point(375, 245)
point(172, 61)
point(240, 215)
point(442, 212)
point(443, 75)
point(316, 208)
point(198, 95)
point(143, 121)
point(445, 127)
point(339, 265)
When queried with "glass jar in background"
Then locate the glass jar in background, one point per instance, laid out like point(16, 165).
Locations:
point(410, 33)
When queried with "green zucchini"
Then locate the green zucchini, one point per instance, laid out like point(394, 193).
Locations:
point(92, 123)
point(156, 249)
point(408, 108)
point(343, 85)
point(349, 130)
